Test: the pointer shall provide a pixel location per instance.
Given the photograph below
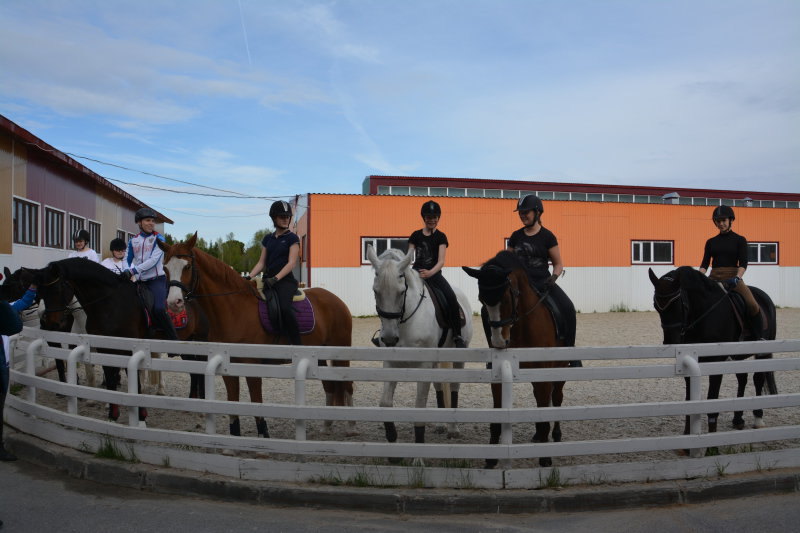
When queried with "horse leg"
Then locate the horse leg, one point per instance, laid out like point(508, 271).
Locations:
point(423, 388)
point(738, 416)
point(495, 428)
point(387, 399)
point(714, 383)
point(254, 386)
point(112, 381)
point(453, 431)
point(759, 380)
point(543, 392)
point(61, 368)
point(558, 399)
point(232, 390)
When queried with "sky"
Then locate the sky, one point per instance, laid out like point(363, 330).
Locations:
point(256, 100)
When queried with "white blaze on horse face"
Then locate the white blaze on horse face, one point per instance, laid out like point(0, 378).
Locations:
point(175, 268)
point(497, 339)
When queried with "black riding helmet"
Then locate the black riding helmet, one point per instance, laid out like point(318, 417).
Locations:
point(530, 202)
point(431, 209)
point(81, 235)
point(280, 208)
point(723, 211)
point(117, 244)
point(144, 212)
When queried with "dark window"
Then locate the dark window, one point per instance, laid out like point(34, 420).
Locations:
point(381, 244)
point(763, 253)
point(95, 236)
point(651, 252)
point(26, 222)
point(53, 228)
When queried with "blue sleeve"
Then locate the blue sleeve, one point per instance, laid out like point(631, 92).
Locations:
point(10, 324)
point(25, 302)
point(129, 257)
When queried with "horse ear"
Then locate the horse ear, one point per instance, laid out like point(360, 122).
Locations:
point(372, 256)
point(471, 272)
point(406, 260)
point(163, 245)
point(192, 240)
point(7, 272)
point(653, 277)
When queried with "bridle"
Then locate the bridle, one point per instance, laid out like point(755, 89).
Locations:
point(194, 281)
point(680, 295)
point(389, 315)
point(515, 297)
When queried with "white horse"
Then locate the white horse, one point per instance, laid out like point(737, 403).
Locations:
point(408, 319)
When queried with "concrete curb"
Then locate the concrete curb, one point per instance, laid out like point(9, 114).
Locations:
point(167, 480)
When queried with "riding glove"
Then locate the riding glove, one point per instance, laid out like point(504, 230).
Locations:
point(551, 280)
point(126, 275)
point(731, 283)
point(271, 281)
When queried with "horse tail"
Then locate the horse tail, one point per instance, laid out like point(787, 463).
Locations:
point(445, 385)
point(769, 310)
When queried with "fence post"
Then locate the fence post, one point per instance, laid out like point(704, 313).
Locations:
point(689, 367)
point(506, 431)
point(211, 371)
point(77, 353)
point(30, 364)
point(300, 374)
point(133, 383)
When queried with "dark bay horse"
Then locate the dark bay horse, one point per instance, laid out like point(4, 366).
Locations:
point(231, 304)
point(518, 319)
point(112, 305)
point(694, 309)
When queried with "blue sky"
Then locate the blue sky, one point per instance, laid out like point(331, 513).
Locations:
point(274, 98)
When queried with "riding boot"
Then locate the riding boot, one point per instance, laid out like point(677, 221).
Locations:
point(756, 327)
point(165, 324)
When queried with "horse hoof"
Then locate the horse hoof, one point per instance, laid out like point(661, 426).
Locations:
point(759, 423)
point(490, 463)
point(142, 424)
point(545, 461)
point(738, 425)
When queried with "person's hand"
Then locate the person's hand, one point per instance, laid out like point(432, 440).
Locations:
point(424, 273)
point(247, 277)
point(271, 281)
point(731, 283)
point(551, 280)
point(126, 275)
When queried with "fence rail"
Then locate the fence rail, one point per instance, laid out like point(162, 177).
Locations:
point(317, 459)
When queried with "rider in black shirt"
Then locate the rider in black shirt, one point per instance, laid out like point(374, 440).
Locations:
point(727, 255)
point(430, 246)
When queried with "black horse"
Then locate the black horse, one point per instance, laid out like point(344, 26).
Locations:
point(113, 308)
point(694, 309)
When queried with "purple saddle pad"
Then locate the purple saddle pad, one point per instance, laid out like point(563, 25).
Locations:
point(303, 311)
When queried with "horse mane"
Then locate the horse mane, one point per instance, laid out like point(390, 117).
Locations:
point(505, 259)
point(228, 274)
point(83, 270)
point(392, 253)
point(693, 280)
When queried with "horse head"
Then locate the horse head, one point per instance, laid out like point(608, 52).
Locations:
point(15, 284)
point(55, 293)
point(180, 270)
point(671, 301)
point(392, 276)
point(499, 285)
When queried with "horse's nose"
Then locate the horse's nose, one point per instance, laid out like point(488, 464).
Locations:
point(390, 341)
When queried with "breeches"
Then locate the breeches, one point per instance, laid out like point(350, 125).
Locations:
point(285, 290)
point(158, 288)
point(438, 281)
point(723, 273)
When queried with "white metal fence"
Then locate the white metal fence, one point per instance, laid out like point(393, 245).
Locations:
point(343, 460)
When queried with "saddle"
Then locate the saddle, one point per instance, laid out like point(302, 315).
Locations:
point(179, 320)
point(739, 307)
point(559, 316)
point(269, 312)
point(442, 311)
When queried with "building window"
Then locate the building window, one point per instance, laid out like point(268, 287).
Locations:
point(475, 193)
point(627, 198)
point(26, 222)
point(594, 197)
point(53, 228)
point(120, 234)
point(510, 194)
point(75, 223)
point(651, 252)
point(130, 236)
point(438, 191)
point(578, 197)
point(381, 244)
point(95, 236)
point(762, 253)
point(419, 191)
point(383, 189)
point(451, 191)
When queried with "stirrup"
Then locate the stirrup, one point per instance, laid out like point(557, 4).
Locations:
point(376, 341)
point(458, 342)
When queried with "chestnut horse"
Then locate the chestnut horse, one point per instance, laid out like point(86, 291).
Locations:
point(231, 304)
point(518, 319)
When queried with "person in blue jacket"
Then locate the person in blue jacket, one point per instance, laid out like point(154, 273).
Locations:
point(10, 324)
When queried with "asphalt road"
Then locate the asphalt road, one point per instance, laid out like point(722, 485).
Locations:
point(36, 499)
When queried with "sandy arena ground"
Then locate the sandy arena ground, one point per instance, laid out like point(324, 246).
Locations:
point(596, 329)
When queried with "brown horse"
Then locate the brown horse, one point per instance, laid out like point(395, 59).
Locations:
point(517, 318)
point(231, 304)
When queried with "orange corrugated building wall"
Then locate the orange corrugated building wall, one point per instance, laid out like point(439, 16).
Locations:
point(595, 239)
point(590, 234)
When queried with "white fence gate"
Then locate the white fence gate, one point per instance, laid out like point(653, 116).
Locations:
point(458, 463)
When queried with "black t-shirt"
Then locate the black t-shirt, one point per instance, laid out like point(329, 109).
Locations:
point(278, 251)
point(534, 250)
point(726, 250)
point(426, 253)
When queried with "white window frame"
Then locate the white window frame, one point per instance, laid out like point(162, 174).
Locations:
point(96, 243)
point(374, 242)
point(35, 219)
point(46, 230)
point(760, 245)
point(641, 245)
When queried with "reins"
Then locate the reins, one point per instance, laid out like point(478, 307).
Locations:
point(189, 293)
point(679, 295)
point(399, 315)
point(514, 318)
